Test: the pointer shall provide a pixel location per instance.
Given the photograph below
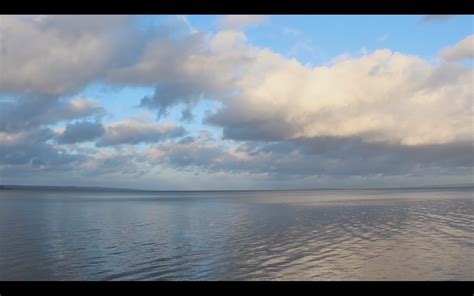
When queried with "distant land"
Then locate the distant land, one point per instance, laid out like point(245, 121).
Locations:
point(109, 189)
point(69, 188)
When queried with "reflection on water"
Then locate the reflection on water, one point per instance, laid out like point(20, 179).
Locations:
point(275, 235)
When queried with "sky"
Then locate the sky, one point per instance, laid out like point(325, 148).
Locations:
point(237, 101)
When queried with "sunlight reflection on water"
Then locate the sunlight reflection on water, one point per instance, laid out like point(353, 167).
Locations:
point(274, 235)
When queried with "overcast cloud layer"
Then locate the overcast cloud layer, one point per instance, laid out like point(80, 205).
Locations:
point(380, 113)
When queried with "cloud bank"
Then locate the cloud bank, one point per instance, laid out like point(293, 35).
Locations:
point(379, 113)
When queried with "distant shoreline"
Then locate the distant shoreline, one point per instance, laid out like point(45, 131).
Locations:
point(110, 189)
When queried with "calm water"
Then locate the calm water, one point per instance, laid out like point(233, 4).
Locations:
point(280, 235)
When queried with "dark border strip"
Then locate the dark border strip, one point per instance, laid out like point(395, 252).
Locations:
point(223, 288)
point(240, 7)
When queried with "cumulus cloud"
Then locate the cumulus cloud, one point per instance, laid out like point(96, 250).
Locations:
point(131, 131)
point(82, 131)
point(59, 55)
point(187, 69)
point(462, 50)
point(64, 54)
point(382, 112)
point(376, 96)
point(267, 96)
point(239, 22)
point(263, 94)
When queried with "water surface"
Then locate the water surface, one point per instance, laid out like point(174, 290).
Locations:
point(268, 235)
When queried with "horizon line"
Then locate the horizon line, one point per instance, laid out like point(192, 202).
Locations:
point(91, 188)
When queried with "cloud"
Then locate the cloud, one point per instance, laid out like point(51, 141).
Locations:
point(60, 55)
point(267, 96)
point(462, 50)
point(30, 153)
point(126, 162)
point(131, 131)
point(437, 18)
point(26, 112)
point(373, 97)
point(379, 113)
point(239, 22)
point(185, 70)
point(82, 131)
point(325, 157)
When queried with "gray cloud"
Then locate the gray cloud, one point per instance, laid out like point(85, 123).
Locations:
point(116, 163)
point(132, 131)
point(315, 157)
point(82, 131)
point(60, 55)
point(462, 50)
point(25, 112)
point(30, 153)
point(437, 17)
point(239, 22)
point(238, 127)
point(26, 143)
point(33, 154)
point(169, 95)
point(185, 70)
point(285, 160)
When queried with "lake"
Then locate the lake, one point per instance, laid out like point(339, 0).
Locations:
point(390, 234)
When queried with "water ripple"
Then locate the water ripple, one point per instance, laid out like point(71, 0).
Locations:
point(264, 236)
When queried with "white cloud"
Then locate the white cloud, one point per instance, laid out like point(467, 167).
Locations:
point(380, 96)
